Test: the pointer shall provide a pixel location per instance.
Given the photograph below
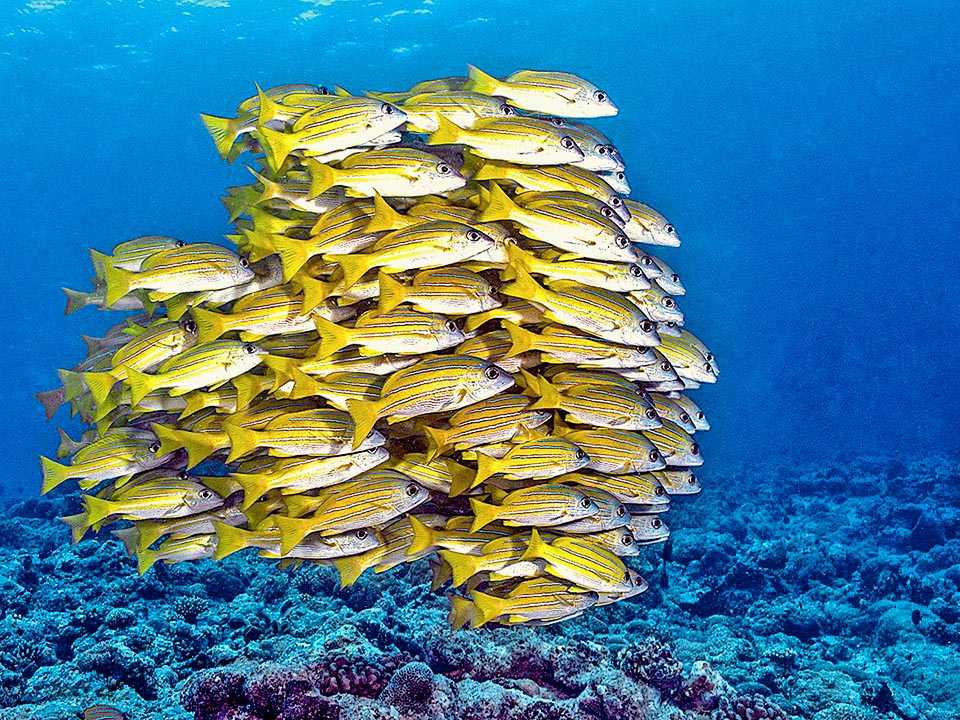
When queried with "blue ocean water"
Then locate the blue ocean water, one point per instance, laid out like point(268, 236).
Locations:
point(807, 152)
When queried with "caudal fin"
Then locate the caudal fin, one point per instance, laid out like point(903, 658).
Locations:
point(487, 608)
point(384, 218)
point(76, 299)
point(276, 145)
point(210, 325)
point(53, 474)
point(333, 337)
point(97, 509)
point(391, 293)
point(242, 441)
point(436, 442)
point(424, 537)
point(461, 611)
point(447, 132)
point(322, 177)
point(119, 283)
point(463, 566)
point(499, 206)
point(484, 514)
point(365, 414)
point(223, 130)
point(353, 266)
point(229, 540)
point(100, 384)
point(478, 81)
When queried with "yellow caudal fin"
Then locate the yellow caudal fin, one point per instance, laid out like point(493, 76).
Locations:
point(322, 177)
point(536, 547)
point(141, 385)
point(236, 206)
point(523, 287)
point(314, 292)
point(303, 385)
point(499, 206)
point(293, 253)
point(97, 509)
point(436, 442)
point(299, 505)
point(100, 384)
point(255, 243)
point(178, 305)
point(171, 439)
point(249, 386)
point(68, 446)
point(242, 441)
point(478, 81)
point(271, 188)
point(461, 611)
point(223, 130)
point(492, 170)
point(518, 258)
point(365, 414)
point(560, 428)
point(441, 573)
point(73, 384)
point(254, 487)
point(487, 607)
point(447, 132)
point(486, 466)
point(424, 537)
point(277, 146)
point(119, 283)
point(131, 538)
point(78, 526)
point(354, 267)
point(100, 261)
point(269, 108)
point(210, 325)
point(75, 300)
point(333, 337)
point(391, 293)
point(462, 477)
point(462, 566)
point(530, 383)
point(196, 401)
point(292, 531)
point(522, 340)
point(549, 396)
point(384, 217)
point(145, 559)
point(229, 540)
point(283, 369)
point(484, 514)
point(53, 474)
point(350, 568)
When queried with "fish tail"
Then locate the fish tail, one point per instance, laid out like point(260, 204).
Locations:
point(94, 344)
point(223, 130)
point(424, 537)
point(100, 261)
point(391, 293)
point(365, 415)
point(73, 384)
point(441, 573)
point(293, 254)
point(229, 540)
point(210, 325)
point(282, 367)
point(499, 206)
point(276, 145)
point(119, 283)
point(235, 206)
point(67, 446)
point(490, 170)
point(549, 396)
point(472, 322)
point(487, 607)
point(257, 244)
point(353, 266)
point(322, 177)
point(303, 385)
point(333, 337)
point(524, 286)
point(461, 611)
point(78, 526)
point(299, 505)
point(242, 441)
point(384, 216)
point(447, 132)
point(97, 509)
point(254, 487)
point(350, 569)
point(314, 292)
point(131, 537)
point(292, 532)
point(51, 401)
point(141, 385)
point(518, 258)
point(462, 477)
point(436, 440)
point(463, 566)
point(100, 384)
point(197, 444)
point(145, 559)
point(484, 513)
point(271, 188)
point(76, 299)
point(478, 81)
point(535, 548)
point(248, 386)
point(53, 474)
point(269, 109)
point(521, 339)
point(178, 305)
point(195, 402)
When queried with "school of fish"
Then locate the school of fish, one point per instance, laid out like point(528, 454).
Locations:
point(440, 332)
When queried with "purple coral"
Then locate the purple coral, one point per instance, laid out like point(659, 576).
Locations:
point(410, 687)
point(652, 662)
point(754, 707)
point(354, 675)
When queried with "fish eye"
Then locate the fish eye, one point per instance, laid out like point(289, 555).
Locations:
point(651, 414)
point(646, 326)
point(386, 109)
point(616, 201)
point(659, 491)
point(179, 243)
point(668, 228)
point(361, 534)
point(182, 475)
point(636, 271)
point(205, 494)
point(654, 455)
point(684, 418)
point(708, 367)
point(189, 326)
point(580, 455)
point(585, 503)
point(154, 447)
point(413, 489)
point(622, 241)
point(656, 523)
point(506, 109)
point(621, 511)
point(600, 96)
point(695, 449)
point(669, 302)
point(646, 260)
point(601, 149)
point(443, 169)
point(323, 90)
point(567, 142)
point(700, 415)
point(675, 278)
point(473, 235)
point(692, 480)
point(607, 212)
point(492, 372)
point(626, 539)
point(451, 326)
point(557, 122)
point(621, 176)
point(244, 263)
point(665, 366)
point(250, 349)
